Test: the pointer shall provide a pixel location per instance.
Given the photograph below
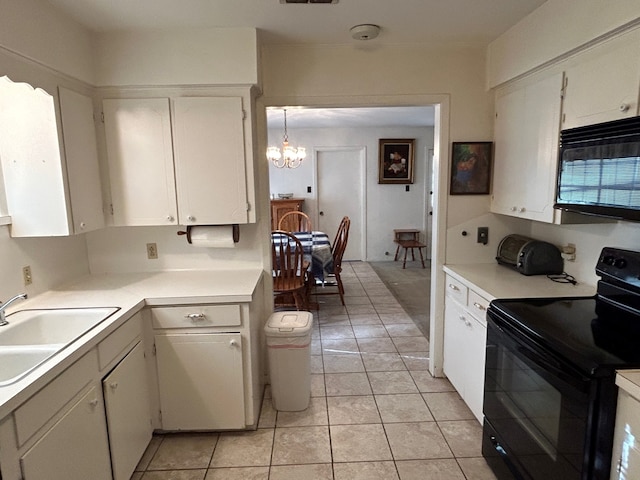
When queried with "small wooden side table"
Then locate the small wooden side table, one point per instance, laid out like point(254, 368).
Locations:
point(408, 238)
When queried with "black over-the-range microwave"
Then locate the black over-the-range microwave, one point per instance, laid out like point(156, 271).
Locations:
point(599, 170)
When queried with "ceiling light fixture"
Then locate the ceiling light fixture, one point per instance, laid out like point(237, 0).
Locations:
point(289, 157)
point(365, 31)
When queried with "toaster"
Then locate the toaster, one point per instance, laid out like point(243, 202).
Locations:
point(529, 256)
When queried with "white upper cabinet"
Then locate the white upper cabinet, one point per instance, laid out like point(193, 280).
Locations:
point(526, 135)
point(210, 160)
point(140, 157)
point(603, 84)
point(50, 163)
point(180, 161)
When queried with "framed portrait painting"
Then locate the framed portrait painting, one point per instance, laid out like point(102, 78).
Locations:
point(396, 160)
point(471, 168)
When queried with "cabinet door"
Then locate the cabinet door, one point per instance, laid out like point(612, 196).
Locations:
point(455, 345)
point(625, 459)
point(210, 160)
point(475, 358)
point(81, 153)
point(526, 137)
point(200, 381)
point(75, 447)
point(140, 157)
point(126, 397)
point(604, 87)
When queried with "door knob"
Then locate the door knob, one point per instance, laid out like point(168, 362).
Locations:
point(321, 214)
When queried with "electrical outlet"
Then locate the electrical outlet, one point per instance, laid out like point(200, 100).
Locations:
point(26, 275)
point(152, 251)
point(483, 235)
point(569, 252)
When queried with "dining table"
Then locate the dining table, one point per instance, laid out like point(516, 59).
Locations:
point(317, 248)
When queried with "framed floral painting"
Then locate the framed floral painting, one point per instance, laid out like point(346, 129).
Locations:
point(396, 160)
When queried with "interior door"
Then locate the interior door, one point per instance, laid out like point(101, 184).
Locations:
point(340, 178)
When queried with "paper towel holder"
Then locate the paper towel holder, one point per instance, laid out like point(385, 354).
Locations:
point(235, 228)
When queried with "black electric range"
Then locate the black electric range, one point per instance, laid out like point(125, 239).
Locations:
point(550, 393)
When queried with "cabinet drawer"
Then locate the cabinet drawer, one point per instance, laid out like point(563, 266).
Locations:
point(36, 411)
point(478, 307)
point(119, 340)
point(196, 316)
point(456, 290)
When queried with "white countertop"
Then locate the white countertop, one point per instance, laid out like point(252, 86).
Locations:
point(492, 281)
point(629, 381)
point(130, 292)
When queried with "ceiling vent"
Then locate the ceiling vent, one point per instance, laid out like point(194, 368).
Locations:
point(308, 1)
point(366, 31)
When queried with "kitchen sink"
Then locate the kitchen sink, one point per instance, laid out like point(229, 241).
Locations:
point(33, 336)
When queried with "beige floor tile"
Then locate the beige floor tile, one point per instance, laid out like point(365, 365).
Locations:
point(404, 330)
point(416, 360)
point(395, 318)
point(343, 363)
point(316, 364)
point(411, 344)
point(184, 451)
point(369, 331)
point(361, 309)
point(383, 362)
point(442, 469)
point(386, 308)
point(267, 414)
point(361, 300)
point(400, 408)
point(447, 406)
point(315, 414)
point(198, 474)
point(339, 384)
point(427, 383)
point(363, 443)
point(416, 441)
point(331, 332)
point(137, 476)
point(463, 436)
point(354, 290)
point(379, 300)
point(316, 346)
point(377, 289)
point(243, 449)
point(340, 320)
point(365, 319)
point(339, 346)
point(151, 450)
point(322, 471)
point(365, 471)
point(476, 468)
point(326, 310)
point(242, 473)
point(352, 410)
point(317, 386)
point(376, 345)
point(392, 382)
point(301, 445)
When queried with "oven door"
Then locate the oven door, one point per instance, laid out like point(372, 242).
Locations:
point(535, 407)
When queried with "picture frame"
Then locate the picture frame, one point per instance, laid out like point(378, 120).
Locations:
point(471, 168)
point(396, 160)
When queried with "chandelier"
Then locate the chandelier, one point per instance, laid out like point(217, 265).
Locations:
point(289, 157)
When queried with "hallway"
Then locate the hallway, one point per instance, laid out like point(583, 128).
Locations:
point(376, 413)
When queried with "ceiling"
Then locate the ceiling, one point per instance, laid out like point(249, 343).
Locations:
point(475, 22)
point(468, 22)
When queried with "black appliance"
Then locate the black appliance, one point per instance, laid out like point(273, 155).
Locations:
point(529, 256)
point(550, 394)
point(599, 170)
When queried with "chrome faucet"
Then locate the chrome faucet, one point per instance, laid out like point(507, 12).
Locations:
point(3, 320)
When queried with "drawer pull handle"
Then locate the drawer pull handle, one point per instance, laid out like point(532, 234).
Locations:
point(113, 385)
point(479, 306)
point(195, 317)
point(454, 287)
point(93, 403)
point(233, 343)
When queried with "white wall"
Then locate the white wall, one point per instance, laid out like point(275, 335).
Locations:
point(387, 206)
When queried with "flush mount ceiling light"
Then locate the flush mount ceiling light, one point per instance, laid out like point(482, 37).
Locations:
point(365, 31)
point(289, 157)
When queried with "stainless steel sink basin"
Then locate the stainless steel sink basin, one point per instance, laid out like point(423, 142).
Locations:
point(33, 336)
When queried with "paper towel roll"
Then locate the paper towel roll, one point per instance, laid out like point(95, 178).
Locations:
point(216, 236)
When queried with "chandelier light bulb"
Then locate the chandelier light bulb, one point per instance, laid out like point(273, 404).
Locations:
point(289, 156)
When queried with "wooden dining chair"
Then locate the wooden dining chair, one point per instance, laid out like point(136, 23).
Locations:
point(295, 221)
point(337, 251)
point(289, 268)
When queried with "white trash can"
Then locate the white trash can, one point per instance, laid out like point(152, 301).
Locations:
point(289, 350)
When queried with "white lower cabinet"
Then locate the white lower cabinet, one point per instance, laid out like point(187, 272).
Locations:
point(75, 447)
point(625, 459)
point(126, 398)
point(200, 380)
point(465, 338)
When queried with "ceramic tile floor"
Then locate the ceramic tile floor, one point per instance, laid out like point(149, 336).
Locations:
point(375, 412)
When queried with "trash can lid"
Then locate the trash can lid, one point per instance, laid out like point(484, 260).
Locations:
point(288, 324)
